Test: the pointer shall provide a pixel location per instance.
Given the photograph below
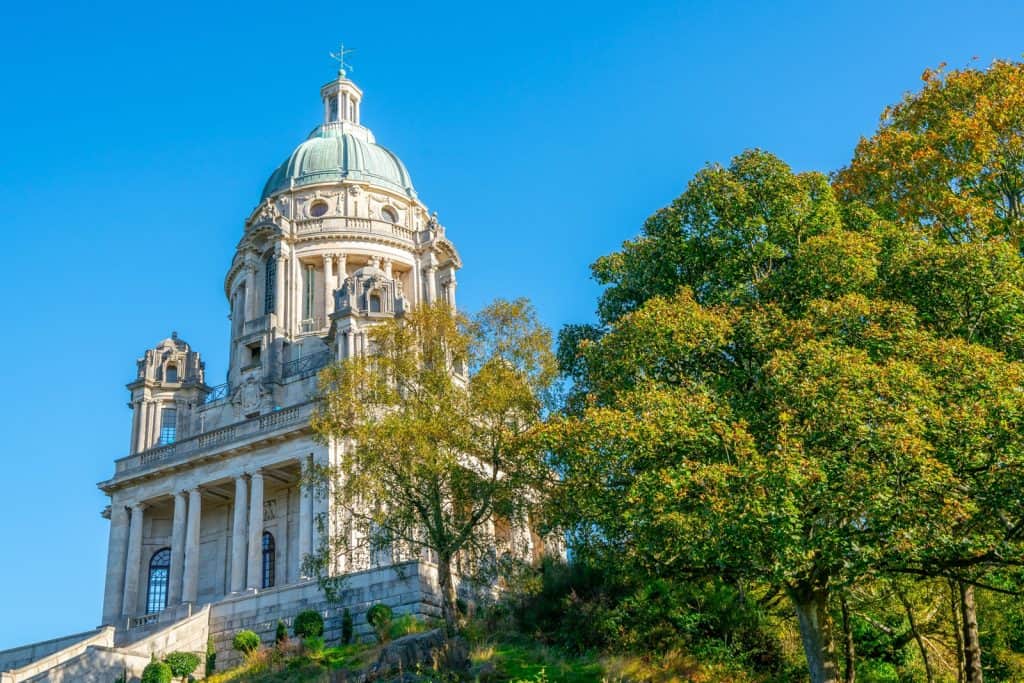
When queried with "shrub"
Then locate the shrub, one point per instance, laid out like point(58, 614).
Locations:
point(281, 634)
point(156, 672)
point(313, 645)
point(246, 642)
point(379, 617)
point(406, 624)
point(346, 627)
point(182, 663)
point(211, 657)
point(308, 623)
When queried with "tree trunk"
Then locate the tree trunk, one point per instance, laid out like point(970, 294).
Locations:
point(447, 586)
point(917, 635)
point(850, 661)
point(958, 636)
point(972, 647)
point(811, 606)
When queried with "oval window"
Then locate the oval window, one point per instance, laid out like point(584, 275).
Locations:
point(318, 208)
point(389, 214)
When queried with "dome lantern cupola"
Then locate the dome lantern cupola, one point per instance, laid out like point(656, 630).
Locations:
point(341, 96)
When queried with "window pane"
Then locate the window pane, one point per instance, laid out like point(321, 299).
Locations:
point(168, 425)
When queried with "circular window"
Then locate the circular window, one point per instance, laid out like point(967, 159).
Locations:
point(388, 214)
point(318, 208)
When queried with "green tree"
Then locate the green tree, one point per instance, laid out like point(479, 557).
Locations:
point(436, 425)
point(246, 642)
point(949, 159)
point(776, 417)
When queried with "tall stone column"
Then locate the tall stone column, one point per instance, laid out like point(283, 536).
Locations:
point(238, 528)
point(431, 272)
point(177, 549)
point(328, 286)
point(255, 573)
point(450, 289)
point(154, 424)
point(117, 553)
point(190, 581)
point(250, 292)
point(133, 445)
point(305, 518)
point(342, 271)
point(133, 562)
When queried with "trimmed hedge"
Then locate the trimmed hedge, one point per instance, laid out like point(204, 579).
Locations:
point(308, 624)
point(246, 642)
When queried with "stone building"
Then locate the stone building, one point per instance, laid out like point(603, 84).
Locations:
point(209, 520)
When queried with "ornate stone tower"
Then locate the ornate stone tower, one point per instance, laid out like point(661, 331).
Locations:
point(339, 240)
point(168, 387)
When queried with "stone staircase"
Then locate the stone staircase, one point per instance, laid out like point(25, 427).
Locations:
point(104, 655)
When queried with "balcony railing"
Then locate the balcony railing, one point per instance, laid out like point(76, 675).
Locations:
point(217, 393)
point(306, 366)
point(187, 449)
point(311, 325)
point(364, 226)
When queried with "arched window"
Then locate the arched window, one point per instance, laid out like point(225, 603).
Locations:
point(159, 569)
point(268, 559)
point(374, 303)
point(171, 374)
point(269, 284)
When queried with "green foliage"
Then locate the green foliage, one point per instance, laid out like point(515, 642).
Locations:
point(281, 633)
point(585, 607)
point(947, 160)
point(764, 370)
point(308, 623)
point(157, 672)
point(182, 663)
point(379, 617)
point(314, 645)
point(346, 627)
point(441, 391)
point(405, 625)
point(246, 642)
point(211, 657)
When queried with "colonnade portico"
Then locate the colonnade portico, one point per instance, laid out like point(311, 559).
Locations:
point(127, 568)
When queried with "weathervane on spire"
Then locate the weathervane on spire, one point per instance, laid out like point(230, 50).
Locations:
point(339, 57)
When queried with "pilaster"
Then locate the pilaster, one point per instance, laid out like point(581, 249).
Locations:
point(178, 530)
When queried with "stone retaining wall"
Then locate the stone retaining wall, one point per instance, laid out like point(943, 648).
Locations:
point(408, 588)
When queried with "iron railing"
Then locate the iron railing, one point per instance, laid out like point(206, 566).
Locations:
point(306, 366)
point(217, 393)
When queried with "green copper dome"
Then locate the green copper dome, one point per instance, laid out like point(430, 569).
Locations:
point(332, 154)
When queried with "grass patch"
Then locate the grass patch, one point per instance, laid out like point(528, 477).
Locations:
point(291, 665)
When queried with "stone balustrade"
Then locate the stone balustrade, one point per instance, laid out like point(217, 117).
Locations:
point(358, 226)
point(204, 443)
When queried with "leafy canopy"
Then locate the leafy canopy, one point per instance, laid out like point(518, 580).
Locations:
point(435, 428)
point(776, 392)
point(949, 159)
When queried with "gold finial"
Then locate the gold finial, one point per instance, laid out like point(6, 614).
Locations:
point(339, 57)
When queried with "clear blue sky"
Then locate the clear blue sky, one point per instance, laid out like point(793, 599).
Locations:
point(137, 136)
